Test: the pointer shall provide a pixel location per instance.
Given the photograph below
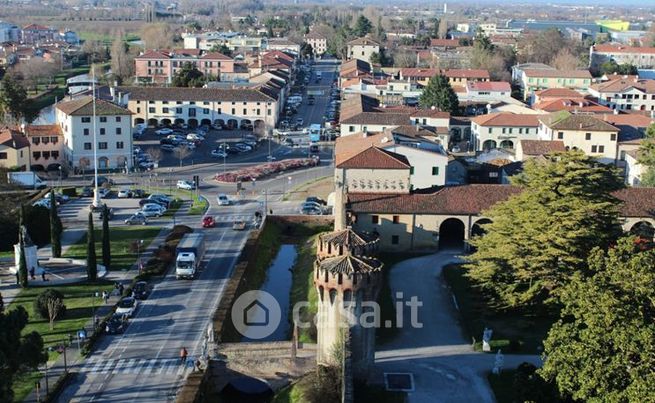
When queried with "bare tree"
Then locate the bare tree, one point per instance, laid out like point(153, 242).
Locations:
point(157, 36)
point(404, 58)
point(36, 70)
point(181, 153)
point(565, 60)
point(155, 154)
point(122, 63)
point(55, 307)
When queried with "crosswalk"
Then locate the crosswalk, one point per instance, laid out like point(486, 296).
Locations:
point(73, 207)
point(136, 366)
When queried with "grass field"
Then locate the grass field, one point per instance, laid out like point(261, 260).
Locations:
point(302, 286)
point(320, 187)
point(122, 238)
point(514, 332)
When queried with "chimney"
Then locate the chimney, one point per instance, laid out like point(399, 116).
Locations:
point(580, 125)
point(112, 92)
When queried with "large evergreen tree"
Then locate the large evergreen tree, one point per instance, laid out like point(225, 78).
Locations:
point(22, 261)
point(603, 347)
point(646, 157)
point(188, 76)
point(14, 103)
point(91, 260)
point(55, 227)
point(363, 26)
point(18, 353)
point(106, 242)
point(542, 236)
point(440, 94)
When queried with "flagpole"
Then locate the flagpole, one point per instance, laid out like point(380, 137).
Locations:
point(96, 196)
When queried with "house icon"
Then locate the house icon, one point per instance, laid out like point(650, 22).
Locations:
point(256, 314)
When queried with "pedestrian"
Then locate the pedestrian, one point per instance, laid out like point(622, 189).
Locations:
point(183, 355)
point(105, 296)
point(17, 278)
point(196, 364)
point(43, 275)
point(32, 276)
point(120, 290)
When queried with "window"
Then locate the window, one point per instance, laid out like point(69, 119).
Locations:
point(164, 110)
point(234, 111)
point(46, 155)
point(489, 130)
point(103, 119)
point(205, 103)
point(119, 145)
point(55, 154)
point(375, 219)
point(601, 149)
point(37, 140)
point(86, 119)
point(411, 170)
point(178, 110)
point(594, 149)
point(504, 129)
point(54, 139)
point(102, 130)
point(151, 109)
point(587, 136)
point(36, 155)
point(205, 111)
point(102, 145)
point(435, 171)
point(119, 130)
point(395, 239)
point(138, 110)
point(3, 156)
point(192, 103)
point(245, 111)
point(560, 135)
point(118, 118)
point(192, 111)
point(45, 140)
point(396, 219)
point(613, 136)
point(87, 146)
point(86, 132)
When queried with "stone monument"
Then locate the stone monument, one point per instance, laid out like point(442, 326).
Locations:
point(31, 258)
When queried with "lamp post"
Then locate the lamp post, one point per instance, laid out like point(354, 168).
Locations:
point(93, 305)
point(96, 196)
point(60, 176)
point(138, 253)
point(224, 156)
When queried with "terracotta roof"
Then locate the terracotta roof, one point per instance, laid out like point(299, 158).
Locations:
point(571, 105)
point(613, 86)
point(489, 86)
point(348, 238)
point(618, 48)
point(43, 130)
point(558, 93)
point(628, 119)
point(448, 43)
point(557, 73)
point(377, 118)
point(468, 199)
point(418, 72)
point(36, 27)
point(474, 199)
point(506, 119)
point(363, 42)
point(315, 35)
point(541, 147)
point(466, 73)
point(375, 158)
point(347, 147)
point(430, 113)
point(349, 264)
point(13, 139)
point(215, 56)
point(566, 121)
point(235, 94)
point(412, 131)
point(83, 106)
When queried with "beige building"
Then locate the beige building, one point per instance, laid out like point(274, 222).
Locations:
point(229, 107)
point(317, 41)
point(46, 145)
point(626, 94)
point(14, 150)
point(593, 136)
point(363, 48)
point(540, 79)
point(503, 130)
point(641, 57)
point(374, 170)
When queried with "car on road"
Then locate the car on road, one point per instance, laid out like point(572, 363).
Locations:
point(141, 290)
point(300, 121)
point(186, 185)
point(311, 210)
point(242, 147)
point(208, 222)
point(146, 164)
point(161, 197)
point(104, 193)
point(137, 218)
point(239, 225)
point(153, 210)
point(195, 136)
point(127, 306)
point(456, 149)
point(86, 192)
point(116, 324)
point(124, 193)
point(168, 147)
point(163, 132)
point(218, 154)
point(223, 200)
point(271, 158)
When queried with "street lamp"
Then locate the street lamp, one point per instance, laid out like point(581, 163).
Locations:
point(138, 253)
point(60, 176)
point(224, 156)
point(95, 295)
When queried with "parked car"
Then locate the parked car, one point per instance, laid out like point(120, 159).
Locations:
point(163, 132)
point(137, 218)
point(104, 193)
point(168, 147)
point(153, 210)
point(186, 185)
point(314, 199)
point(208, 222)
point(190, 145)
point(127, 306)
point(116, 324)
point(223, 200)
point(146, 164)
point(311, 210)
point(161, 197)
point(124, 193)
point(140, 290)
point(299, 121)
point(138, 193)
point(195, 136)
point(243, 147)
point(218, 154)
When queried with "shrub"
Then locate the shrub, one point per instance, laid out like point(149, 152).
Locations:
point(514, 345)
point(41, 302)
point(178, 232)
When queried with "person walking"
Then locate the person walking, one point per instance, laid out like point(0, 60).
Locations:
point(32, 273)
point(183, 355)
point(120, 290)
point(105, 296)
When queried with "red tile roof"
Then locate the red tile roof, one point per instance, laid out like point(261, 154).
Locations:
point(376, 158)
point(489, 86)
point(507, 119)
point(13, 139)
point(466, 73)
point(613, 86)
point(616, 48)
point(447, 43)
point(43, 130)
point(541, 147)
point(571, 105)
point(637, 201)
point(628, 119)
point(558, 93)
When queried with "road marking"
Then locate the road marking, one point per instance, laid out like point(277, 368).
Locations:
point(149, 367)
point(137, 368)
point(107, 366)
point(130, 365)
point(121, 366)
point(98, 365)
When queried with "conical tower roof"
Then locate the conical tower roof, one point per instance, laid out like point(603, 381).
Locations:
point(349, 264)
point(348, 238)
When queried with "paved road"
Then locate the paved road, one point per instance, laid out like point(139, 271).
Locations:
point(444, 366)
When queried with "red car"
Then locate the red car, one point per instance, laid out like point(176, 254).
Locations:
point(208, 222)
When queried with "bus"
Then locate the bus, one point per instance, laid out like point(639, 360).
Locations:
point(315, 132)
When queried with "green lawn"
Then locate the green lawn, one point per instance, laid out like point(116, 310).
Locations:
point(199, 206)
point(514, 332)
point(79, 302)
point(302, 287)
point(122, 254)
point(7, 253)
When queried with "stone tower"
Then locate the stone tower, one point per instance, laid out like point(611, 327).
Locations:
point(346, 277)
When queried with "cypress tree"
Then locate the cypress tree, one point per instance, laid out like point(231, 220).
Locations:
point(55, 230)
point(22, 262)
point(91, 262)
point(106, 247)
point(440, 94)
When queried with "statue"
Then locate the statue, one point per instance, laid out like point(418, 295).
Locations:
point(486, 338)
point(27, 241)
point(498, 362)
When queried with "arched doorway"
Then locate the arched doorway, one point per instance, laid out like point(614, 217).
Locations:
point(507, 144)
point(478, 228)
point(456, 134)
point(84, 163)
point(205, 122)
point(54, 167)
point(139, 121)
point(179, 122)
point(193, 123)
point(489, 145)
point(37, 168)
point(219, 122)
point(643, 229)
point(232, 124)
point(451, 234)
point(152, 122)
point(103, 163)
point(166, 122)
point(259, 128)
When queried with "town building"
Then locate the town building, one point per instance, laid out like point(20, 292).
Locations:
point(35, 34)
point(363, 49)
point(502, 130)
point(587, 133)
point(232, 106)
point(539, 79)
point(317, 41)
point(640, 57)
point(456, 77)
point(160, 66)
point(14, 150)
point(113, 136)
point(536, 148)
point(626, 94)
point(283, 45)
point(46, 146)
point(9, 32)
